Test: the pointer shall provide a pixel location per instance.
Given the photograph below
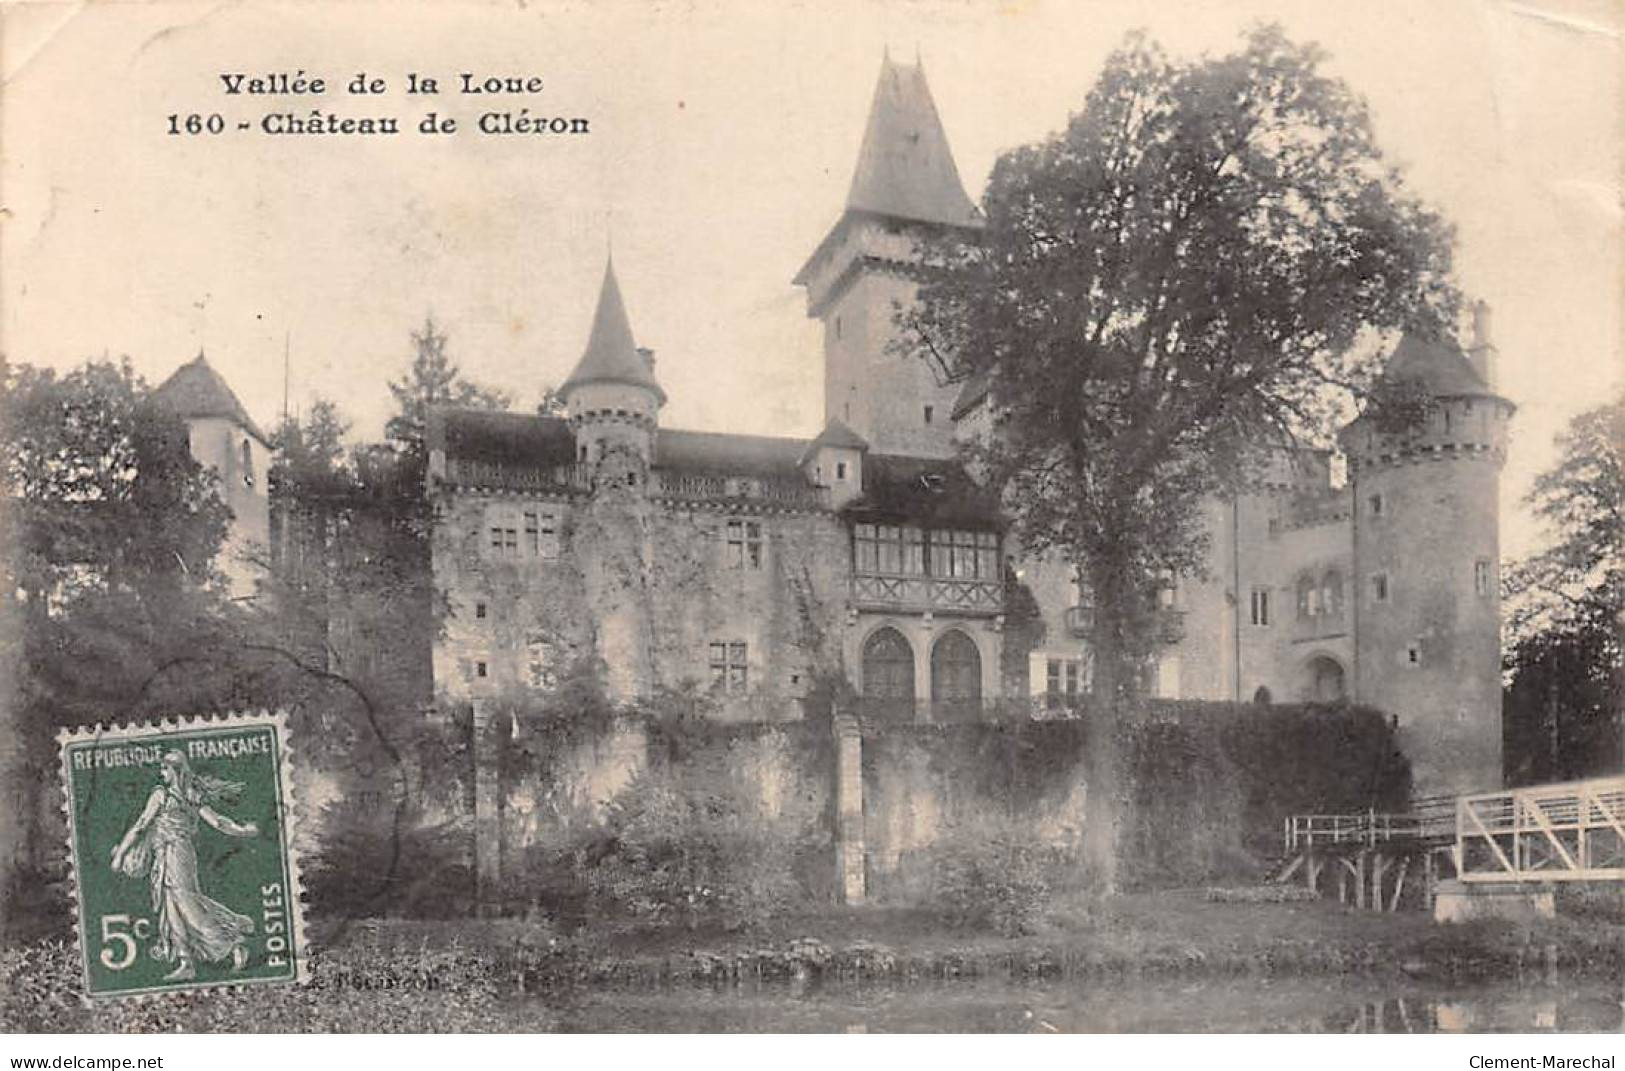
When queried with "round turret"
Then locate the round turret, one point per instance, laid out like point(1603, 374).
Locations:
point(1425, 482)
point(612, 397)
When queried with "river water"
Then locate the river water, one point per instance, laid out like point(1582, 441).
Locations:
point(1216, 1005)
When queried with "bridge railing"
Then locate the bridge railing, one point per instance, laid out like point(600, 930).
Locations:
point(1571, 831)
point(1430, 817)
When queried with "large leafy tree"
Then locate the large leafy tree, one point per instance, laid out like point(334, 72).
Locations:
point(1179, 275)
point(1566, 624)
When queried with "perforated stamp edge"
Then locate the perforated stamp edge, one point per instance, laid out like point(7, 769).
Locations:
point(277, 721)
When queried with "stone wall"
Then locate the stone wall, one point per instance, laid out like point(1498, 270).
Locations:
point(645, 587)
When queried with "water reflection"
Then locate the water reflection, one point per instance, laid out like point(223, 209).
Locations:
point(1298, 1005)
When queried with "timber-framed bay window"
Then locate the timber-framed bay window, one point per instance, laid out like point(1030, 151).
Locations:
point(903, 565)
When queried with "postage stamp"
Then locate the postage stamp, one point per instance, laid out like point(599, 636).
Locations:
point(181, 843)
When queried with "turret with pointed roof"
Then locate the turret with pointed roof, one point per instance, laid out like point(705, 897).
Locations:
point(612, 395)
point(223, 437)
point(195, 390)
point(905, 191)
point(611, 355)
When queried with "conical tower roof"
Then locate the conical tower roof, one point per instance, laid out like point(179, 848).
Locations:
point(611, 355)
point(196, 390)
point(905, 167)
point(1438, 365)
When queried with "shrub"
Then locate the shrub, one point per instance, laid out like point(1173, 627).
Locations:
point(992, 882)
point(674, 853)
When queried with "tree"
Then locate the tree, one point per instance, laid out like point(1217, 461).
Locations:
point(432, 380)
point(1177, 277)
point(1566, 626)
point(101, 488)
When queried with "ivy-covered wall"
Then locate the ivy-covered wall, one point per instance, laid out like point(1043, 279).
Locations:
point(744, 811)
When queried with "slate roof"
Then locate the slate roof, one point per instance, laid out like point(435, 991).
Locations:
point(611, 355)
point(510, 438)
point(929, 491)
point(895, 487)
point(905, 168)
point(1438, 365)
point(837, 436)
point(195, 389)
point(721, 453)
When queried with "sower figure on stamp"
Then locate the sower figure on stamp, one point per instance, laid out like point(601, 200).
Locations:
point(191, 926)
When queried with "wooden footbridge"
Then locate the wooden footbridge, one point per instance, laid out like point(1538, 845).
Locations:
point(1571, 832)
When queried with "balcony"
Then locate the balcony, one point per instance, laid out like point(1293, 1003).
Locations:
point(781, 491)
point(1169, 624)
point(499, 474)
point(919, 594)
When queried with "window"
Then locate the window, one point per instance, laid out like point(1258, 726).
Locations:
point(744, 544)
point(837, 327)
point(1261, 607)
point(729, 672)
point(928, 413)
point(889, 549)
point(1331, 593)
point(504, 541)
point(956, 668)
point(514, 532)
point(1481, 577)
point(1413, 654)
point(480, 669)
point(1061, 678)
point(479, 611)
point(1308, 597)
point(965, 555)
point(248, 465)
point(1379, 587)
point(840, 470)
point(888, 668)
point(1376, 504)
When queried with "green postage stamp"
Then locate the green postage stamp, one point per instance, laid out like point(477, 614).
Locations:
point(181, 841)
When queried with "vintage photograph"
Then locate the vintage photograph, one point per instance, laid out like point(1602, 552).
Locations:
point(922, 516)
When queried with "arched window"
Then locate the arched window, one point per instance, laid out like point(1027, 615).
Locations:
point(248, 465)
point(1262, 697)
point(1325, 681)
point(1331, 593)
point(956, 670)
point(888, 669)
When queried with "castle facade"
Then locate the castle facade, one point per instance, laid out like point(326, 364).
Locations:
point(749, 567)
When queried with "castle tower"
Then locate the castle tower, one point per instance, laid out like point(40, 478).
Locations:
point(905, 189)
point(612, 396)
point(223, 437)
point(1426, 605)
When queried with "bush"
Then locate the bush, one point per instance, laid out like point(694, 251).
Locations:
point(671, 853)
point(385, 861)
point(993, 882)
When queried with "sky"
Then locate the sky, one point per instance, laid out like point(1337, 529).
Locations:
point(723, 136)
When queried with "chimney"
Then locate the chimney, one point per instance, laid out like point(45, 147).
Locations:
point(648, 356)
point(1481, 353)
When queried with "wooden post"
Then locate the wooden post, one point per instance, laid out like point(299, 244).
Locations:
point(1359, 878)
point(1379, 866)
point(1342, 881)
point(1399, 884)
